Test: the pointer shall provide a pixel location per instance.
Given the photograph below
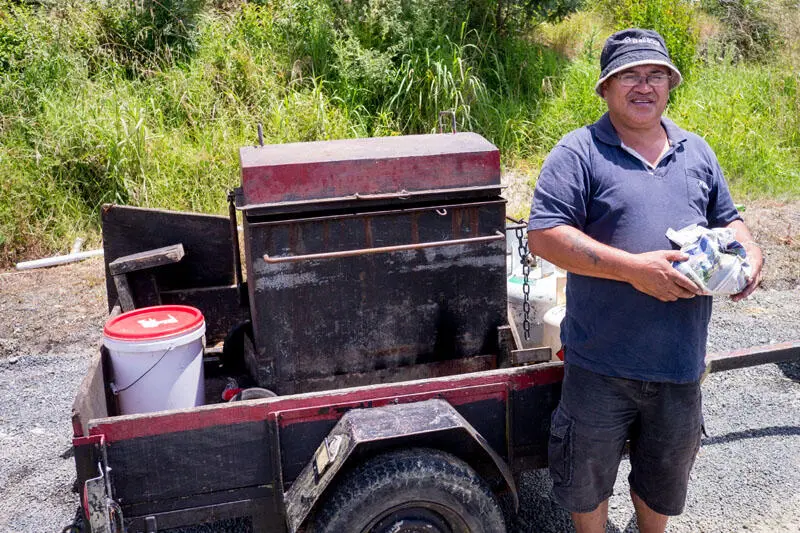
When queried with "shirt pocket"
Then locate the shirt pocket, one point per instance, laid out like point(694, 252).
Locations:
point(698, 190)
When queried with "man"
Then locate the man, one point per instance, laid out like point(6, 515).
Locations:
point(635, 328)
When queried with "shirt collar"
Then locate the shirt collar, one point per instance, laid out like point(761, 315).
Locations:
point(605, 132)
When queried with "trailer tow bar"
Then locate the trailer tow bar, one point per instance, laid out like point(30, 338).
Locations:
point(757, 355)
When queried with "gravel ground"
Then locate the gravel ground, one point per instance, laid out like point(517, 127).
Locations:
point(746, 478)
point(37, 469)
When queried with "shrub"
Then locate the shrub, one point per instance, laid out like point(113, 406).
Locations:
point(509, 17)
point(432, 80)
point(748, 32)
point(147, 35)
point(13, 35)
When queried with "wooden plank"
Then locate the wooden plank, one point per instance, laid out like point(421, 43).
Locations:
point(514, 329)
point(87, 455)
point(148, 259)
point(529, 356)
point(144, 288)
point(525, 356)
point(124, 294)
point(90, 402)
point(206, 239)
point(505, 343)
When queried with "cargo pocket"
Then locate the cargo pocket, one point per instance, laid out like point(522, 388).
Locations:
point(560, 449)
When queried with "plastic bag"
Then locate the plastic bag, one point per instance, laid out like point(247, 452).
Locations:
point(717, 262)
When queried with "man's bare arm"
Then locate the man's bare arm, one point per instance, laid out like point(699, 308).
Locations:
point(651, 273)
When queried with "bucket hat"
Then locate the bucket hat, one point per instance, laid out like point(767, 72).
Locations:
point(631, 48)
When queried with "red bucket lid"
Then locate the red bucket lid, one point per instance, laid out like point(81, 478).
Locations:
point(152, 323)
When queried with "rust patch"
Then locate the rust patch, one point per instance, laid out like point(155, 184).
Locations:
point(368, 232)
point(455, 225)
point(473, 220)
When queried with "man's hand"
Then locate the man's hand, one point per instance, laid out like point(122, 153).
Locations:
point(756, 260)
point(653, 274)
point(754, 257)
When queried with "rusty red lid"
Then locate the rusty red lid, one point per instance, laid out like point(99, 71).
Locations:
point(153, 323)
point(360, 168)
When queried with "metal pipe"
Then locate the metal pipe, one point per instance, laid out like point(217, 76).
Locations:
point(383, 249)
point(58, 260)
point(237, 259)
point(516, 226)
point(76, 246)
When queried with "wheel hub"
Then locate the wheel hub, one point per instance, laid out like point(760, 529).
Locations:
point(412, 520)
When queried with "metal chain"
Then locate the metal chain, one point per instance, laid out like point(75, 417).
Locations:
point(526, 260)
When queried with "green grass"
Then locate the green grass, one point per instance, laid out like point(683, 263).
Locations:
point(100, 104)
point(750, 115)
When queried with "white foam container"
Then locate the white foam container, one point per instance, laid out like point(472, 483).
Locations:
point(546, 291)
point(552, 329)
point(542, 298)
point(158, 374)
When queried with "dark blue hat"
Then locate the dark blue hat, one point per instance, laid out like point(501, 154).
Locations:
point(631, 48)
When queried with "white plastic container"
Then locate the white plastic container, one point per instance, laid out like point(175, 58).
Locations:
point(545, 282)
point(552, 329)
point(541, 298)
point(157, 358)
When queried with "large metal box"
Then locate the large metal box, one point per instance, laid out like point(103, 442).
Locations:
point(344, 285)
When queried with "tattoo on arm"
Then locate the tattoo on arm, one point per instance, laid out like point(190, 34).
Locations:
point(579, 245)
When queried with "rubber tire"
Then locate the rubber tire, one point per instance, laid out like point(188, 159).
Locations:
point(405, 476)
point(233, 348)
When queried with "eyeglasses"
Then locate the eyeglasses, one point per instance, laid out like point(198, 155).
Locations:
point(632, 79)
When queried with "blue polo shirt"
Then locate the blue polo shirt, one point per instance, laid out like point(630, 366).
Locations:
point(591, 182)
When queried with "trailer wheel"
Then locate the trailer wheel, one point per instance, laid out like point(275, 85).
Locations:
point(411, 491)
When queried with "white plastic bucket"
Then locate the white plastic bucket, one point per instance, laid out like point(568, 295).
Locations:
point(161, 367)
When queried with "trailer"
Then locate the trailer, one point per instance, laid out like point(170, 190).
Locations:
point(381, 385)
